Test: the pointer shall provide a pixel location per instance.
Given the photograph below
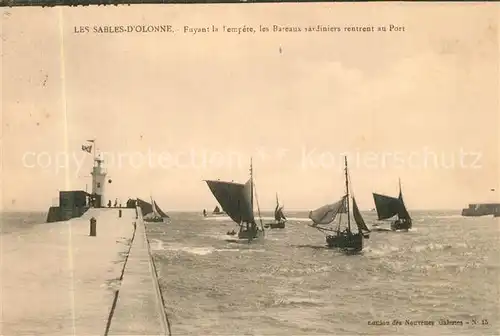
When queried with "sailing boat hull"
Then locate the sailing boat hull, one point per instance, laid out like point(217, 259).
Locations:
point(246, 236)
point(352, 242)
point(276, 225)
point(401, 225)
point(249, 234)
point(154, 220)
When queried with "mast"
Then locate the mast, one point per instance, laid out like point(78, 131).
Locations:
point(251, 183)
point(252, 196)
point(347, 198)
point(152, 204)
point(95, 153)
point(399, 196)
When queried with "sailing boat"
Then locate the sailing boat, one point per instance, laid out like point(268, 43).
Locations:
point(237, 200)
point(217, 211)
point(157, 215)
point(160, 211)
point(279, 217)
point(388, 207)
point(325, 215)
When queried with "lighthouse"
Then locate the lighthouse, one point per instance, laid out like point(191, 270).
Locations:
point(98, 182)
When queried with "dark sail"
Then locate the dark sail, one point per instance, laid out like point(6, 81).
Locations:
point(386, 206)
point(403, 213)
point(160, 211)
point(146, 207)
point(278, 214)
point(216, 210)
point(360, 222)
point(234, 198)
point(327, 213)
point(278, 211)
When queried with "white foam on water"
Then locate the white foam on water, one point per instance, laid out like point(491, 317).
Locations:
point(272, 239)
point(219, 218)
point(193, 250)
point(446, 216)
point(159, 246)
point(385, 250)
point(252, 251)
point(433, 247)
point(216, 236)
point(156, 244)
point(227, 250)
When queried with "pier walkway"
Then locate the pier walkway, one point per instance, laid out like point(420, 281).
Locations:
point(57, 280)
point(139, 309)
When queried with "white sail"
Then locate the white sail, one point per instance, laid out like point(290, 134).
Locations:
point(327, 213)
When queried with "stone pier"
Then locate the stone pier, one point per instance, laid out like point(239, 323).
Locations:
point(139, 307)
point(57, 280)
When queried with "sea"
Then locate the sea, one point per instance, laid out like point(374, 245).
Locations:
point(439, 278)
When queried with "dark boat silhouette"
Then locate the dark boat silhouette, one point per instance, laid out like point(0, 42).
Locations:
point(237, 200)
point(388, 207)
point(279, 217)
point(215, 213)
point(156, 215)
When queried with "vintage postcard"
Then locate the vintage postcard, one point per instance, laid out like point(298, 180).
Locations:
point(250, 169)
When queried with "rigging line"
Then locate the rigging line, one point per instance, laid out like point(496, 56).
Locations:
point(323, 229)
point(258, 207)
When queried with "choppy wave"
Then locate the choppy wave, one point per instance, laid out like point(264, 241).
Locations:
point(442, 267)
point(157, 246)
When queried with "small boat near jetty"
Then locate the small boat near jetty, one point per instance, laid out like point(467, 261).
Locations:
point(157, 215)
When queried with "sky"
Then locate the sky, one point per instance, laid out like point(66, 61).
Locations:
point(169, 110)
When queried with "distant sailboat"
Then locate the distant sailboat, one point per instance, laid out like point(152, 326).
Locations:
point(325, 215)
point(216, 213)
point(237, 200)
point(279, 217)
point(388, 207)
